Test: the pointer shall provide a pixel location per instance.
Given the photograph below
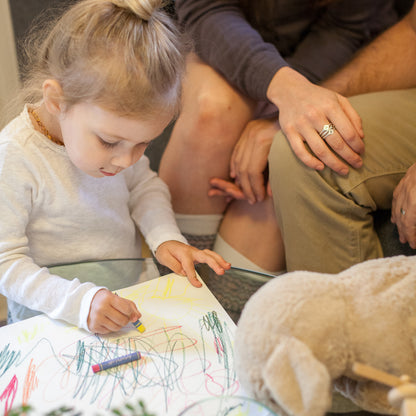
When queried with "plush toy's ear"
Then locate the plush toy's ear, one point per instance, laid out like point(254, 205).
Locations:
point(297, 381)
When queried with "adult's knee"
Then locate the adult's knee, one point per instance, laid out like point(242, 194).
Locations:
point(213, 120)
point(222, 116)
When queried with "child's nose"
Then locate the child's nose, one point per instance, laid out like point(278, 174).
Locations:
point(127, 158)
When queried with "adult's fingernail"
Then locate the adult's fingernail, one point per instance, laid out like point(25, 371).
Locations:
point(344, 171)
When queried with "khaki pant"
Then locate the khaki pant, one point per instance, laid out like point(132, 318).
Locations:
point(326, 219)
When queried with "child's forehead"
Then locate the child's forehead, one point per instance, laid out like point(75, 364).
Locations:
point(122, 126)
point(108, 114)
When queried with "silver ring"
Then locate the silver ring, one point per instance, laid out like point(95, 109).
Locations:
point(402, 211)
point(326, 131)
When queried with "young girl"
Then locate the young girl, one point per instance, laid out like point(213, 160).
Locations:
point(74, 183)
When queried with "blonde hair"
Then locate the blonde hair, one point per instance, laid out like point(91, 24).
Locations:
point(124, 55)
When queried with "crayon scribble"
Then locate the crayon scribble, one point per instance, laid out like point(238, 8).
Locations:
point(179, 364)
point(30, 383)
point(9, 395)
point(28, 335)
point(164, 366)
point(222, 342)
point(7, 359)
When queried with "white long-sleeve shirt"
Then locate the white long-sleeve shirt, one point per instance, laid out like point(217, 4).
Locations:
point(52, 213)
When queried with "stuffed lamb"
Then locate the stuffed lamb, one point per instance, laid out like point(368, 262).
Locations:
point(300, 334)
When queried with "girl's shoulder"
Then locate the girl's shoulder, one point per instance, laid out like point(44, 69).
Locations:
point(20, 135)
point(17, 131)
point(24, 148)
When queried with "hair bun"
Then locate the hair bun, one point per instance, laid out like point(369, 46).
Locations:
point(142, 8)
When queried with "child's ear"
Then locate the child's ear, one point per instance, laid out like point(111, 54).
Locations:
point(53, 96)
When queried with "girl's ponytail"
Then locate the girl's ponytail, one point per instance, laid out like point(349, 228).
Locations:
point(145, 9)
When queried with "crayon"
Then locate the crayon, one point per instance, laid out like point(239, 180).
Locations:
point(116, 362)
point(140, 327)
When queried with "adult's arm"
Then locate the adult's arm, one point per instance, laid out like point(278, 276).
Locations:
point(224, 39)
point(343, 28)
point(387, 63)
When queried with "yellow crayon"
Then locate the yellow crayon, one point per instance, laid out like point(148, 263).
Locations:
point(140, 327)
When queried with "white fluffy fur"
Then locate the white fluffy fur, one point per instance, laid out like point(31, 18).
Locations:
point(300, 334)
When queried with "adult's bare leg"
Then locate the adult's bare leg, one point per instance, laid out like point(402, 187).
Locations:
point(212, 118)
point(211, 121)
point(253, 232)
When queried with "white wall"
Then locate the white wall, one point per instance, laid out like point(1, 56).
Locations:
point(9, 78)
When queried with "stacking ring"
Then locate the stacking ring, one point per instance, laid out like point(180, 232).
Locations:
point(326, 131)
point(402, 211)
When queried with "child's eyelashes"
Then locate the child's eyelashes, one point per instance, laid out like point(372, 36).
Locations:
point(110, 145)
point(107, 144)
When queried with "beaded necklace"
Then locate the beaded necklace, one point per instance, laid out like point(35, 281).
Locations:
point(43, 129)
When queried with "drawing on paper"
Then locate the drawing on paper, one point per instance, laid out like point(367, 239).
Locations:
point(187, 355)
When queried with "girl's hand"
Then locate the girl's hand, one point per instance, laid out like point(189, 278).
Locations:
point(180, 258)
point(110, 313)
point(229, 190)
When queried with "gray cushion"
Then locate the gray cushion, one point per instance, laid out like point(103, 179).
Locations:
point(389, 236)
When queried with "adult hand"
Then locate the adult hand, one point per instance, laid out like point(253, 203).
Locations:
point(403, 212)
point(248, 163)
point(110, 313)
point(249, 158)
point(180, 258)
point(304, 109)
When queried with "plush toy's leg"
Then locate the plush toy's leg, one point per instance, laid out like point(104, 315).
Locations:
point(408, 408)
point(403, 397)
point(297, 381)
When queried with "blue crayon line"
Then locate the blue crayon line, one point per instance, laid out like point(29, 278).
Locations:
point(116, 362)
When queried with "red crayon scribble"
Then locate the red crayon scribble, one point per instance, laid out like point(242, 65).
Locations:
point(218, 345)
point(9, 395)
point(171, 334)
point(212, 385)
point(30, 384)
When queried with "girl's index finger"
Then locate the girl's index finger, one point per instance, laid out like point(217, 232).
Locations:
point(189, 269)
point(214, 260)
point(193, 280)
